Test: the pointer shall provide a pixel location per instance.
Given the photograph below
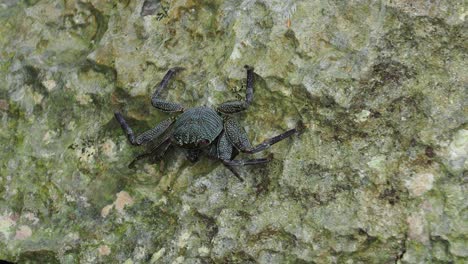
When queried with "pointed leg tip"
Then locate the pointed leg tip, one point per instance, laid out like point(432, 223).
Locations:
point(300, 127)
point(178, 69)
point(233, 171)
point(270, 157)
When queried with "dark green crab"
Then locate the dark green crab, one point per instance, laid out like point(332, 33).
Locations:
point(201, 130)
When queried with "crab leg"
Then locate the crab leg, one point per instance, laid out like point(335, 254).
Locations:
point(156, 153)
point(233, 170)
point(161, 104)
point(268, 142)
point(238, 137)
point(243, 162)
point(232, 107)
point(146, 136)
point(224, 152)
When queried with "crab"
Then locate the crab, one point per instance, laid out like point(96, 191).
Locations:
point(201, 130)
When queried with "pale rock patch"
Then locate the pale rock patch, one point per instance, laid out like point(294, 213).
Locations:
point(420, 183)
point(104, 250)
point(416, 228)
point(123, 199)
point(108, 148)
point(23, 232)
point(49, 84)
point(156, 256)
point(6, 222)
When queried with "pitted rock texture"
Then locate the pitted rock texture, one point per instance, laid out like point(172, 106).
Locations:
point(379, 175)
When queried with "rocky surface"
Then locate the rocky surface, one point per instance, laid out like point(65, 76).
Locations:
point(378, 176)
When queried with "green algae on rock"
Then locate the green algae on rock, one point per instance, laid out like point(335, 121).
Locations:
point(378, 176)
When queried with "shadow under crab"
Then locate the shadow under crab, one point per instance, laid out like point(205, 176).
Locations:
point(201, 130)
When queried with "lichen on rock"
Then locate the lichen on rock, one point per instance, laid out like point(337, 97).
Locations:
point(377, 176)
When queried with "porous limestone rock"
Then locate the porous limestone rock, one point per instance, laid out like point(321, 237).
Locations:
point(378, 175)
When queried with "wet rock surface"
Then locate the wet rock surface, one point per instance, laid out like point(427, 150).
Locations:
point(378, 176)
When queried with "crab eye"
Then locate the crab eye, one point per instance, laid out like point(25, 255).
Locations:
point(203, 142)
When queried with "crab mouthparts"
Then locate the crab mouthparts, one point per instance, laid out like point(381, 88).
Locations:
point(203, 142)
